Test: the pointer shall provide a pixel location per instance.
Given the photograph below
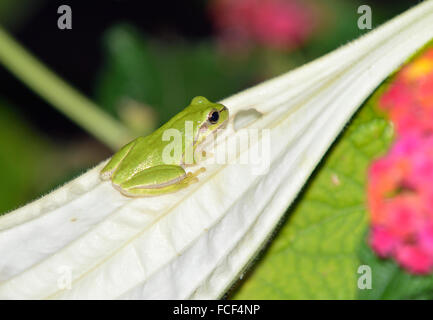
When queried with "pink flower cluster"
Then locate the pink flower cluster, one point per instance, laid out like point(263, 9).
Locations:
point(400, 185)
point(280, 24)
point(409, 100)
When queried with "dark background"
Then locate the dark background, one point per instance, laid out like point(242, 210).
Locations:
point(76, 54)
point(42, 148)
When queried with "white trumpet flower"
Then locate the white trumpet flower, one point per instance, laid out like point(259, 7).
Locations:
point(88, 241)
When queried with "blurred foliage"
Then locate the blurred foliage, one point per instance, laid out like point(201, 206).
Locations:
point(160, 77)
point(14, 12)
point(339, 23)
point(24, 156)
point(165, 76)
point(32, 164)
point(143, 81)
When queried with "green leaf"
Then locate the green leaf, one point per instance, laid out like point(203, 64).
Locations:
point(315, 253)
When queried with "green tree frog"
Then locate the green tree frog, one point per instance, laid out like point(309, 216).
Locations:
point(138, 169)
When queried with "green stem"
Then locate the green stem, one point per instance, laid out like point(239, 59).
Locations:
point(61, 95)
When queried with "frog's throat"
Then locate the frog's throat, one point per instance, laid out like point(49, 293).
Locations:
point(204, 127)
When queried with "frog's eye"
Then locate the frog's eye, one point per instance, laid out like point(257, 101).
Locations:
point(213, 117)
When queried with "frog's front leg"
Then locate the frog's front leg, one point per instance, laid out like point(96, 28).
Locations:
point(157, 180)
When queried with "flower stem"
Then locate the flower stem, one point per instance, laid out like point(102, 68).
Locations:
point(60, 94)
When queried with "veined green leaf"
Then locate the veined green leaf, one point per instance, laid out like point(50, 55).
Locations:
point(315, 255)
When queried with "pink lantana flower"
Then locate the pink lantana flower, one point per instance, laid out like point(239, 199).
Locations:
point(383, 241)
point(409, 100)
point(400, 185)
point(278, 24)
point(414, 259)
point(400, 194)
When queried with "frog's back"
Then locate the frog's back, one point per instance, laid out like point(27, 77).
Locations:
point(146, 152)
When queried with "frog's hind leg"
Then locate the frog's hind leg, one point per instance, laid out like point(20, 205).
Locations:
point(115, 160)
point(158, 180)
